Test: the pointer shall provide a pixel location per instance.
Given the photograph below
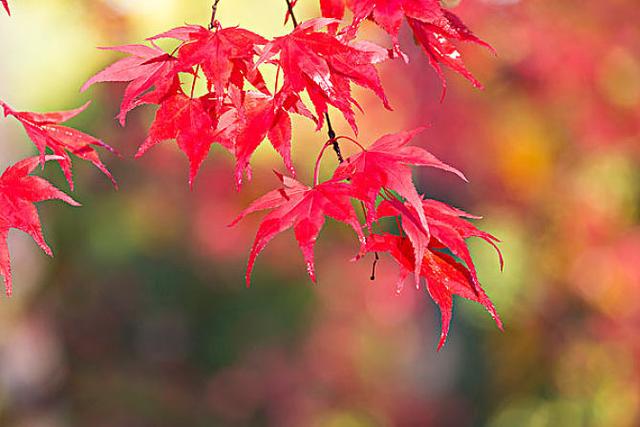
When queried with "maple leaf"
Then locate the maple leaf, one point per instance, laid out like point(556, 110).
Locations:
point(45, 132)
point(418, 235)
point(303, 208)
point(385, 164)
point(263, 116)
point(445, 277)
point(324, 66)
point(435, 37)
point(447, 228)
point(6, 6)
point(18, 193)
point(225, 55)
point(434, 29)
point(150, 71)
point(192, 123)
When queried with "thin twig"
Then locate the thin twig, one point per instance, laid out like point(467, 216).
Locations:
point(293, 17)
point(332, 137)
point(373, 267)
point(377, 257)
point(214, 10)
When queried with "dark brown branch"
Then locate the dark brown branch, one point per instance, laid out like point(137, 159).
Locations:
point(332, 138)
point(293, 17)
point(373, 268)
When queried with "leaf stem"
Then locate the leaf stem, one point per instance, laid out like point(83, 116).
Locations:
point(316, 169)
point(331, 143)
point(275, 87)
point(195, 78)
point(364, 212)
point(373, 267)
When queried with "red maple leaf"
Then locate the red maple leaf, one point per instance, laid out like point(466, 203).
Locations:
point(433, 27)
point(445, 277)
point(305, 209)
point(227, 115)
point(448, 226)
point(435, 35)
point(324, 66)
point(150, 71)
point(418, 235)
point(447, 229)
point(263, 116)
point(45, 132)
point(224, 54)
point(18, 192)
point(385, 164)
point(192, 123)
point(6, 6)
point(389, 14)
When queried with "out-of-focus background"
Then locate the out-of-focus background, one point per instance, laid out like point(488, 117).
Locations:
point(142, 318)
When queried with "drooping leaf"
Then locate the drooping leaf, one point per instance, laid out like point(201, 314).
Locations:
point(151, 72)
point(45, 131)
point(435, 37)
point(451, 229)
point(445, 277)
point(263, 116)
point(418, 235)
point(434, 28)
point(18, 193)
point(304, 209)
point(447, 229)
point(190, 121)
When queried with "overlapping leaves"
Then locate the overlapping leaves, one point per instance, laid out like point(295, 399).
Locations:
point(324, 66)
point(45, 131)
point(434, 28)
point(432, 243)
point(313, 58)
point(317, 61)
point(242, 112)
point(19, 191)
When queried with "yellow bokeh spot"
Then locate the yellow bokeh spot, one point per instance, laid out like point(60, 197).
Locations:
point(525, 151)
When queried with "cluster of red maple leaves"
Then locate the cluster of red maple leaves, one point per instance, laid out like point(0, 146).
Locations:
point(239, 112)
